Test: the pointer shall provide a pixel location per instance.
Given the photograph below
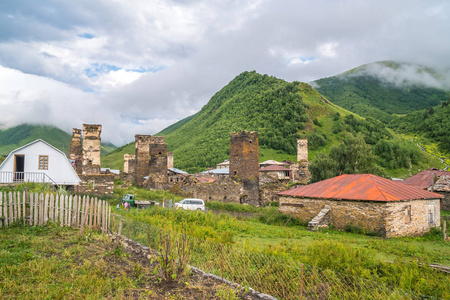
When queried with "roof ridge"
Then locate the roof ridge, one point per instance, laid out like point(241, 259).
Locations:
point(376, 184)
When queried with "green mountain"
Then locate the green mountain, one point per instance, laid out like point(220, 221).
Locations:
point(281, 112)
point(15, 137)
point(381, 90)
point(431, 123)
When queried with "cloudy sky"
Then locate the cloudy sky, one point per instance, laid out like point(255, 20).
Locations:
point(137, 66)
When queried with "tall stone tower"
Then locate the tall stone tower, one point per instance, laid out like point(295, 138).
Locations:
point(91, 149)
point(244, 163)
point(157, 166)
point(300, 170)
point(75, 152)
point(129, 163)
point(169, 160)
point(302, 150)
point(142, 157)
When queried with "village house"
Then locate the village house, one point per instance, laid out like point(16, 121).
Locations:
point(273, 173)
point(433, 180)
point(364, 201)
point(38, 161)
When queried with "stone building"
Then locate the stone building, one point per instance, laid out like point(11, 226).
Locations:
point(433, 180)
point(91, 149)
point(142, 156)
point(212, 189)
point(365, 201)
point(157, 166)
point(244, 164)
point(87, 161)
point(75, 152)
point(275, 173)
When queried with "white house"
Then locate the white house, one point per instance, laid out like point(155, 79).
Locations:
point(38, 161)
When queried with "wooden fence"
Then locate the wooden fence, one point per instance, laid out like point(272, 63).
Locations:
point(39, 209)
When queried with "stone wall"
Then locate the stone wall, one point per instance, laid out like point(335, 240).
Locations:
point(129, 163)
point(411, 218)
point(75, 152)
point(268, 192)
point(244, 163)
point(445, 202)
point(386, 218)
point(142, 156)
point(91, 149)
point(300, 172)
point(223, 190)
point(96, 185)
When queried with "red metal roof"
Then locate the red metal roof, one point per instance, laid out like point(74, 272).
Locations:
point(425, 179)
point(274, 168)
point(365, 187)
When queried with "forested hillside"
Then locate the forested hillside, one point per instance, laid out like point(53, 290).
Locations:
point(281, 112)
point(374, 95)
point(432, 123)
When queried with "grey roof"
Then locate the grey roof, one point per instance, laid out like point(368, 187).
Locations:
point(223, 171)
point(178, 171)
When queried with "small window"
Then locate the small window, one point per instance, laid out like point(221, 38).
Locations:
point(43, 162)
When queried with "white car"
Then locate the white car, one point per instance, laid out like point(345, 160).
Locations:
point(191, 204)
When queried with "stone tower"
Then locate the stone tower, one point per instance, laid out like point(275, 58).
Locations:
point(169, 160)
point(142, 158)
point(300, 170)
point(75, 152)
point(244, 164)
point(91, 149)
point(302, 150)
point(157, 166)
point(129, 163)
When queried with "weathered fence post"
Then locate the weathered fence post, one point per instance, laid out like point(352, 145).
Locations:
point(108, 227)
point(444, 229)
point(15, 207)
point(41, 209)
point(24, 210)
point(47, 196)
point(66, 210)
point(69, 223)
point(74, 214)
point(31, 209)
point(119, 233)
point(301, 281)
point(11, 209)
point(36, 209)
point(52, 207)
point(1, 209)
point(91, 213)
point(83, 217)
point(61, 210)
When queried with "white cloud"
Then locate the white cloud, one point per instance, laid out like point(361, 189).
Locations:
point(150, 63)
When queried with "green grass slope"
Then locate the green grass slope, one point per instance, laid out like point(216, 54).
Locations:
point(280, 111)
point(378, 90)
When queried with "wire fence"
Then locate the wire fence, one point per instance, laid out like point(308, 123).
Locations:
point(280, 277)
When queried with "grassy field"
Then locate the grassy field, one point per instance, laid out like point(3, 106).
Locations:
point(393, 261)
point(50, 262)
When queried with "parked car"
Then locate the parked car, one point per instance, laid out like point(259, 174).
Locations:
point(191, 204)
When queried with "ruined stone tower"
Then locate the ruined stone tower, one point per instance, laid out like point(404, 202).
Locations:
point(157, 177)
point(75, 152)
point(169, 160)
point(129, 163)
point(300, 170)
point(91, 149)
point(244, 164)
point(142, 158)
